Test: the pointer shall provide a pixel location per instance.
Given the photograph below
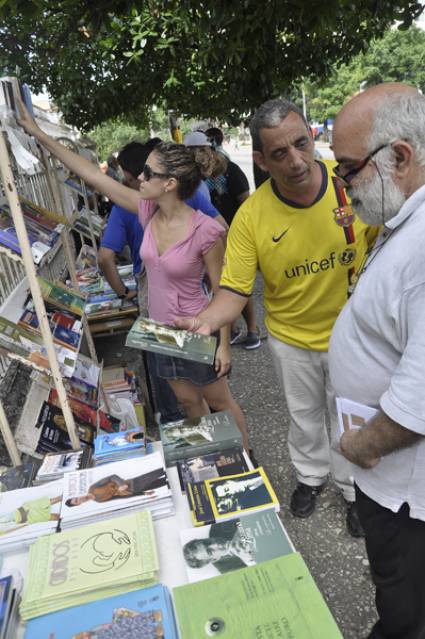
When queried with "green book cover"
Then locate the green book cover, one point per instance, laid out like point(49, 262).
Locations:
point(149, 335)
point(88, 563)
point(188, 437)
point(62, 297)
point(17, 339)
point(214, 550)
point(277, 599)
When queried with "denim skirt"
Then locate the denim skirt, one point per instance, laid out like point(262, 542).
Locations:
point(167, 367)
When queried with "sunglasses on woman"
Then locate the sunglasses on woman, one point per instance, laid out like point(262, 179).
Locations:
point(148, 173)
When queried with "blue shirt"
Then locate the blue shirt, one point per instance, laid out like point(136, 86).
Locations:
point(124, 228)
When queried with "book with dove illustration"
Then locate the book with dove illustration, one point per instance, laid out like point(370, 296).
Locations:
point(156, 337)
point(90, 563)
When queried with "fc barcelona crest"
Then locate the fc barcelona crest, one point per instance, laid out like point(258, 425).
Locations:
point(344, 215)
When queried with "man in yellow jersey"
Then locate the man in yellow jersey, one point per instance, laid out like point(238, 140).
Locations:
point(300, 231)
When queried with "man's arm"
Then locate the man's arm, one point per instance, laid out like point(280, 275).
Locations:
point(381, 436)
point(107, 263)
point(224, 309)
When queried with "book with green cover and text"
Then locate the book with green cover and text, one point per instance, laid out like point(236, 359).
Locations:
point(61, 297)
point(90, 563)
point(149, 335)
point(277, 599)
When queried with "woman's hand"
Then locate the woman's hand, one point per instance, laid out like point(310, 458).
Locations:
point(222, 360)
point(26, 121)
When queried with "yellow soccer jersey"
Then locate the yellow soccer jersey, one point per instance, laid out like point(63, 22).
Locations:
point(308, 257)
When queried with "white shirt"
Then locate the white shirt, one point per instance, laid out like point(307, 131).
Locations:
point(377, 353)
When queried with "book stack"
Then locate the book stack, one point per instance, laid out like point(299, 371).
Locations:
point(79, 566)
point(146, 613)
point(28, 513)
point(148, 335)
point(115, 489)
point(59, 296)
point(120, 382)
point(214, 550)
point(223, 498)
point(16, 340)
point(82, 225)
point(188, 438)
point(43, 229)
point(10, 588)
point(277, 598)
point(119, 446)
point(56, 465)
point(66, 329)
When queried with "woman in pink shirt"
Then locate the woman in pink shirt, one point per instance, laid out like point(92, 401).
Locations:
point(179, 246)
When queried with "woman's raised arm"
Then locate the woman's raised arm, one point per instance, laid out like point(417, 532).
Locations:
point(118, 193)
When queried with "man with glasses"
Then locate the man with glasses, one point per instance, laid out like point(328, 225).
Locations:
point(377, 348)
point(299, 230)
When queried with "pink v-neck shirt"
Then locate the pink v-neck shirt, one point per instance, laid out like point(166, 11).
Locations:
point(174, 278)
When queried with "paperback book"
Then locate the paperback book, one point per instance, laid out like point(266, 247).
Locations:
point(276, 599)
point(87, 371)
point(225, 462)
point(222, 498)
point(68, 337)
point(117, 446)
point(54, 434)
point(148, 335)
point(214, 550)
point(141, 614)
point(58, 295)
point(56, 465)
point(97, 561)
point(353, 415)
point(28, 513)
point(113, 489)
point(199, 436)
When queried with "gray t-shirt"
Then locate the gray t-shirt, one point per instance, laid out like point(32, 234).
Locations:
point(377, 352)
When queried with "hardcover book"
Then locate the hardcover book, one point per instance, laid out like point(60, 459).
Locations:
point(199, 436)
point(276, 599)
point(96, 561)
point(222, 498)
point(214, 550)
point(58, 295)
point(148, 335)
point(141, 614)
point(224, 462)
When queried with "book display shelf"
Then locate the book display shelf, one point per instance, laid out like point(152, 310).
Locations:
point(37, 253)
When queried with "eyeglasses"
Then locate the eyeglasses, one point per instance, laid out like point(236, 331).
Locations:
point(148, 173)
point(348, 177)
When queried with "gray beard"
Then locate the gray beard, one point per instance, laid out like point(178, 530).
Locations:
point(366, 199)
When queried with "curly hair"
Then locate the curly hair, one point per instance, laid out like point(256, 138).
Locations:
point(178, 161)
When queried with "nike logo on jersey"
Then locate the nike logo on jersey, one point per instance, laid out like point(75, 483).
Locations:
point(279, 237)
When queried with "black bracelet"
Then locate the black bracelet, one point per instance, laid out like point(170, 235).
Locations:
point(126, 292)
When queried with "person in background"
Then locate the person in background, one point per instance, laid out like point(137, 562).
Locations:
point(228, 191)
point(299, 230)
point(377, 347)
point(124, 229)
